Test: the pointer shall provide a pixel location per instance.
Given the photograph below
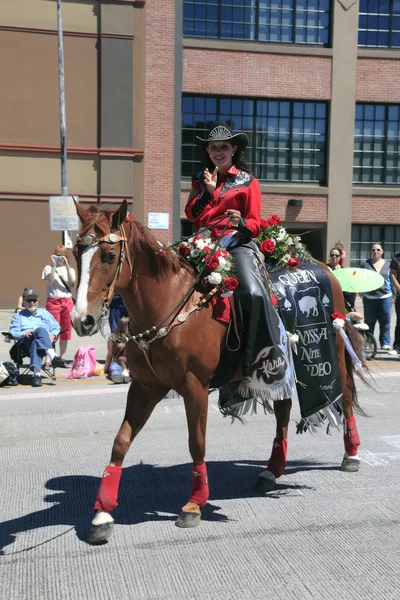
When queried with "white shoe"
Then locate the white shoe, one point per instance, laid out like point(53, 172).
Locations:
point(385, 347)
point(393, 353)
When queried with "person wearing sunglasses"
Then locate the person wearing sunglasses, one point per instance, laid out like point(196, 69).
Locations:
point(335, 257)
point(35, 330)
point(378, 304)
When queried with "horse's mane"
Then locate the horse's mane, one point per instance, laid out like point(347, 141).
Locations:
point(143, 247)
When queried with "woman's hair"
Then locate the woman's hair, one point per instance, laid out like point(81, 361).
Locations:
point(339, 245)
point(238, 159)
point(121, 330)
point(61, 250)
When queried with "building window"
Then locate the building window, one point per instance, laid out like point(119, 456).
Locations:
point(376, 144)
point(287, 138)
point(276, 21)
point(363, 236)
point(379, 23)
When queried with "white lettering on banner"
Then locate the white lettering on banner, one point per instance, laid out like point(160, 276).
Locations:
point(298, 277)
point(271, 367)
point(309, 354)
point(312, 336)
point(319, 370)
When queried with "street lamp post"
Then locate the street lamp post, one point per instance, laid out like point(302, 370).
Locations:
point(63, 127)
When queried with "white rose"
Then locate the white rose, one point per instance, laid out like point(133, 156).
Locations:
point(290, 241)
point(222, 261)
point(281, 235)
point(194, 253)
point(215, 278)
point(200, 244)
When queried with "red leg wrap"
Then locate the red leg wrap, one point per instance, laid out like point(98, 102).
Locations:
point(277, 461)
point(351, 437)
point(199, 492)
point(108, 491)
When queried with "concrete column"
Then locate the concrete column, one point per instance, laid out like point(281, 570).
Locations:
point(342, 115)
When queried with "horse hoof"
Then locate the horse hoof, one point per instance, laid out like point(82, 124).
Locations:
point(350, 464)
point(188, 519)
point(100, 533)
point(266, 482)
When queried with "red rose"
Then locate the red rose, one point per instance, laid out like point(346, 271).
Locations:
point(264, 224)
point(184, 251)
point(230, 284)
point(206, 249)
point(267, 246)
point(293, 262)
point(224, 253)
point(276, 220)
point(212, 264)
point(337, 315)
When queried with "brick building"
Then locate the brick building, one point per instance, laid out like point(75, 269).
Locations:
point(314, 83)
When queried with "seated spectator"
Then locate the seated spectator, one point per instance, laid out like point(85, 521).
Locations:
point(20, 303)
point(115, 365)
point(35, 330)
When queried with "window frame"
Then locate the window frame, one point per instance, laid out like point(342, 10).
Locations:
point(378, 233)
point(251, 156)
point(385, 170)
point(294, 10)
point(373, 12)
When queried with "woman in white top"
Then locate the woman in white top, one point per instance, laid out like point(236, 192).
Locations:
point(60, 277)
point(378, 304)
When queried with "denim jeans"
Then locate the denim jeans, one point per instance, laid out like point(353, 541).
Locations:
point(37, 344)
point(117, 311)
point(379, 310)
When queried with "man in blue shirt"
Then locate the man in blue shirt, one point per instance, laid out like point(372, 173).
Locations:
point(35, 329)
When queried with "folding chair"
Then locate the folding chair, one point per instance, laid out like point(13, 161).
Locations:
point(17, 354)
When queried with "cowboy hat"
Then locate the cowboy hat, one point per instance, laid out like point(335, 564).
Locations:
point(221, 132)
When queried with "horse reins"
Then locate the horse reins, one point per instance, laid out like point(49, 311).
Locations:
point(160, 332)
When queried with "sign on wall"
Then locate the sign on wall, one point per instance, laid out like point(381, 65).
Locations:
point(158, 220)
point(63, 215)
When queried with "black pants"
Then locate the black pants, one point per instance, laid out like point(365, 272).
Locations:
point(396, 343)
point(261, 320)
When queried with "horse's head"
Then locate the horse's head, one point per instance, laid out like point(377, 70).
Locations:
point(100, 251)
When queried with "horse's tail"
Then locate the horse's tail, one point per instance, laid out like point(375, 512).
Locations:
point(358, 343)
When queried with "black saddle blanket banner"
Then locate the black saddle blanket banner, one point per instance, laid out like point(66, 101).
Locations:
point(305, 305)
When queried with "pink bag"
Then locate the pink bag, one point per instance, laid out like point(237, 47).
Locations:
point(84, 363)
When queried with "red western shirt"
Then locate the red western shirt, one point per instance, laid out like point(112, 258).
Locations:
point(235, 190)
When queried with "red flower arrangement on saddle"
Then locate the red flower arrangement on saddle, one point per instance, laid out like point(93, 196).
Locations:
point(278, 246)
point(274, 242)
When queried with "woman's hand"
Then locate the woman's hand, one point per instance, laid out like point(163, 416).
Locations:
point(210, 179)
point(234, 216)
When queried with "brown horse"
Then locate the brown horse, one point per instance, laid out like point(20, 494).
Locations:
point(114, 254)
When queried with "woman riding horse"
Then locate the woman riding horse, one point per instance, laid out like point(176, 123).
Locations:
point(226, 187)
point(175, 343)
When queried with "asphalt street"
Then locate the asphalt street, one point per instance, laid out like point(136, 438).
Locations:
point(322, 534)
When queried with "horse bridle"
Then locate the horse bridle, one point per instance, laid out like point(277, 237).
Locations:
point(91, 240)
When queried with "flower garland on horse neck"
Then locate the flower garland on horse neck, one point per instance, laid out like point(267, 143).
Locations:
point(215, 265)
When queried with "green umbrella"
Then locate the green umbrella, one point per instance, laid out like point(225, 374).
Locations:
point(358, 281)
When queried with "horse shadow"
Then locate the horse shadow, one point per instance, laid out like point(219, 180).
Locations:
point(147, 493)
